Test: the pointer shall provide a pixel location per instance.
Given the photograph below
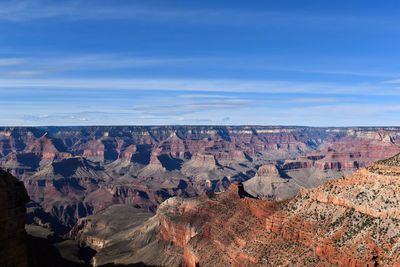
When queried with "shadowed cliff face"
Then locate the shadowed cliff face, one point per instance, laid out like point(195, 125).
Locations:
point(13, 197)
point(73, 172)
point(353, 221)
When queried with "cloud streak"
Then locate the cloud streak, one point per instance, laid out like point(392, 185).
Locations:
point(193, 107)
point(194, 96)
point(10, 61)
point(396, 81)
point(28, 10)
point(196, 85)
point(51, 64)
point(323, 111)
point(354, 114)
point(112, 61)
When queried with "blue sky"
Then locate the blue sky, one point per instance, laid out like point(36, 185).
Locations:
point(315, 63)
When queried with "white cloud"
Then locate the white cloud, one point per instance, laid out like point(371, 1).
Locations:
point(10, 61)
point(19, 11)
point(110, 61)
point(312, 100)
point(177, 109)
point(41, 64)
point(393, 81)
point(47, 63)
point(354, 114)
point(24, 72)
point(193, 96)
point(198, 85)
point(333, 114)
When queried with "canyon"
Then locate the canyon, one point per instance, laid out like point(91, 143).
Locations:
point(159, 186)
point(353, 221)
point(74, 172)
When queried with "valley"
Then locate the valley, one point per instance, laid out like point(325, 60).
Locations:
point(85, 183)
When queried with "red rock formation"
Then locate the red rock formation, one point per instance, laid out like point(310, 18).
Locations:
point(349, 222)
point(348, 153)
point(94, 151)
point(128, 152)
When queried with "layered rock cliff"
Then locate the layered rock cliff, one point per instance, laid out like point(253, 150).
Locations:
point(330, 162)
point(13, 197)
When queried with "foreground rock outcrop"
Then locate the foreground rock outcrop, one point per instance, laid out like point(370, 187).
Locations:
point(353, 221)
point(13, 242)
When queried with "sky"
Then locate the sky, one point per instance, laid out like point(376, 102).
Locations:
point(218, 62)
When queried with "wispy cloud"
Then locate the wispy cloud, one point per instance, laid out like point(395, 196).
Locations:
point(312, 100)
point(54, 64)
point(159, 109)
point(19, 11)
point(23, 73)
point(27, 10)
point(52, 117)
point(76, 10)
point(354, 114)
point(396, 81)
point(73, 117)
point(198, 85)
point(193, 107)
point(101, 118)
point(10, 61)
point(344, 68)
point(194, 96)
point(112, 61)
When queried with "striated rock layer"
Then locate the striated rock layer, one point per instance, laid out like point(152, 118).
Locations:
point(73, 172)
point(13, 197)
point(353, 221)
